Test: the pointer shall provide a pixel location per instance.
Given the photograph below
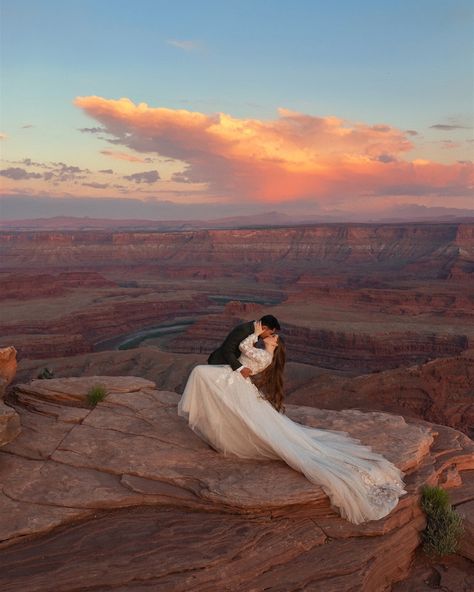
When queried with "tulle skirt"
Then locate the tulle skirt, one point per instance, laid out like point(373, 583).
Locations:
point(228, 412)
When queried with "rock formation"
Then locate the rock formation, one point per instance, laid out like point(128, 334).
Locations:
point(346, 350)
point(33, 285)
point(8, 364)
point(428, 249)
point(355, 297)
point(9, 418)
point(124, 496)
point(439, 391)
point(78, 331)
point(168, 370)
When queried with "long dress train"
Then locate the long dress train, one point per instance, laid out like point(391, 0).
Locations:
point(229, 413)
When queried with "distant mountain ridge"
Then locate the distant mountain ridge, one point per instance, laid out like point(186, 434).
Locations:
point(401, 214)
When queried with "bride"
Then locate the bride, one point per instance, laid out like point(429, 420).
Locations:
point(245, 417)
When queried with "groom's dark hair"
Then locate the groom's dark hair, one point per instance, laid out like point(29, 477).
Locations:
point(271, 322)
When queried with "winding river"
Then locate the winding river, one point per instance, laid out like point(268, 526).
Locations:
point(174, 326)
point(134, 339)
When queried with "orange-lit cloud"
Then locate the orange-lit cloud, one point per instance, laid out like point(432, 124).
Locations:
point(122, 156)
point(295, 156)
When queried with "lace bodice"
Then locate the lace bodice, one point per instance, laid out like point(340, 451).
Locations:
point(252, 357)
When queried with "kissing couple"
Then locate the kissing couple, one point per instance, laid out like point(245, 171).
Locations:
point(235, 404)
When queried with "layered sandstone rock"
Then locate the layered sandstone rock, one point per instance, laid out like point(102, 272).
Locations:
point(374, 296)
point(26, 286)
point(10, 425)
point(125, 496)
point(9, 419)
point(168, 370)
point(452, 573)
point(411, 302)
point(440, 391)
point(8, 363)
point(431, 250)
point(46, 344)
point(346, 350)
point(78, 331)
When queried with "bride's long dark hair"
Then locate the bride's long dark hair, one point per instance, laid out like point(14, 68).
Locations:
point(270, 380)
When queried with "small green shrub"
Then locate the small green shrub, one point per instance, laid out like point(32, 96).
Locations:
point(443, 525)
point(46, 373)
point(96, 393)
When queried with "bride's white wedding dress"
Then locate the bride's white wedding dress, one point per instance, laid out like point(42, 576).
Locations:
point(229, 413)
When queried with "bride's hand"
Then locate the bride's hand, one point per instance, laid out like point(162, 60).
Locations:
point(258, 328)
point(246, 372)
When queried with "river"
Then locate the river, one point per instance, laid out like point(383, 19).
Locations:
point(174, 326)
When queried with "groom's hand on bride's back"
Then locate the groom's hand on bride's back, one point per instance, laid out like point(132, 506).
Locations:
point(246, 372)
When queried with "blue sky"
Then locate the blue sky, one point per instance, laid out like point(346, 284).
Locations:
point(404, 64)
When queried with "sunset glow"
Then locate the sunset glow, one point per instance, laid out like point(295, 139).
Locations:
point(309, 144)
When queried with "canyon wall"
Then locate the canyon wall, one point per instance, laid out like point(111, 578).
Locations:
point(34, 285)
point(430, 249)
point(440, 391)
point(417, 276)
point(79, 331)
point(338, 350)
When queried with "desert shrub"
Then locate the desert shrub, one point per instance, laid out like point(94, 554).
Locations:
point(46, 373)
point(95, 394)
point(443, 524)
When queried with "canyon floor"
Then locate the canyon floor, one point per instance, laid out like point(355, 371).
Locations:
point(351, 298)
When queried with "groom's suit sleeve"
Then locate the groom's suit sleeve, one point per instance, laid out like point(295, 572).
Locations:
point(231, 344)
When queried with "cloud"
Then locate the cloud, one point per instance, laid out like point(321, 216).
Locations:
point(96, 185)
point(29, 162)
point(448, 127)
point(62, 172)
point(123, 156)
point(426, 190)
point(27, 126)
point(91, 130)
point(57, 172)
point(3, 136)
point(106, 171)
point(386, 158)
point(144, 177)
point(185, 45)
point(180, 177)
point(64, 168)
point(19, 174)
point(292, 157)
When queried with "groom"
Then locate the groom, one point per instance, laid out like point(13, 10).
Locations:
point(229, 351)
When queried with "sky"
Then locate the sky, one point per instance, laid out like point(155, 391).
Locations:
point(185, 109)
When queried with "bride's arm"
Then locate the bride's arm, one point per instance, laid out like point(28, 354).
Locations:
point(247, 347)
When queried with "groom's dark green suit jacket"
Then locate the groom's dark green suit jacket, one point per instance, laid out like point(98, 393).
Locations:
point(229, 351)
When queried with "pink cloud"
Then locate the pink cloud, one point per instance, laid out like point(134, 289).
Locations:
point(292, 157)
point(122, 156)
